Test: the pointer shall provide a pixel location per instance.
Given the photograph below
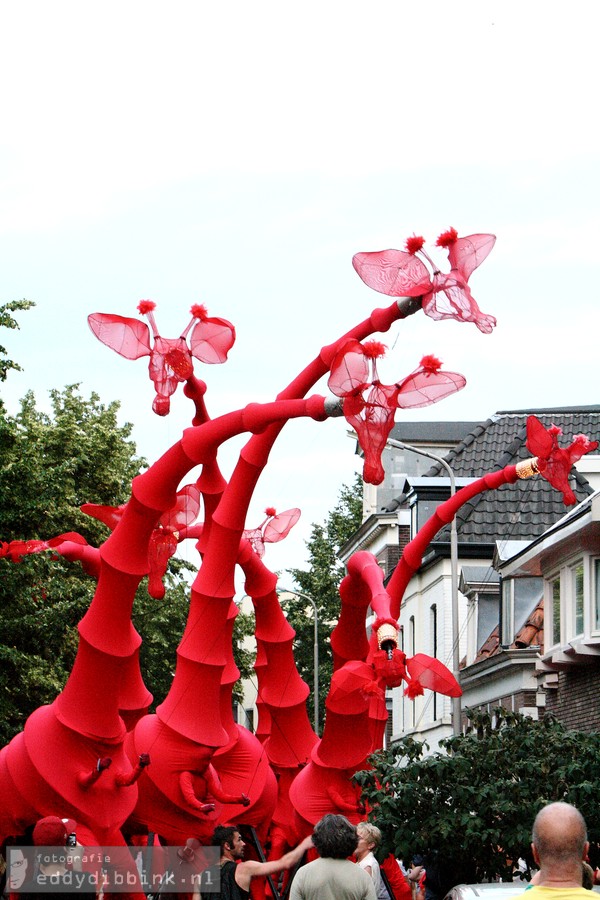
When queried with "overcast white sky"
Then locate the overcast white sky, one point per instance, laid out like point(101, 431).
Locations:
point(239, 154)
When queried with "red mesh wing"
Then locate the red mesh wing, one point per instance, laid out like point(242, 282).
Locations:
point(349, 370)
point(212, 339)
point(127, 337)
point(393, 272)
point(539, 441)
point(433, 674)
point(467, 253)
point(281, 525)
point(423, 388)
point(186, 509)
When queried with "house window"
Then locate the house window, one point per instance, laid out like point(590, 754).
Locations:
point(596, 577)
point(520, 596)
point(434, 648)
point(414, 523)
point(555, 610)
point(573, 601)
point(508, 630)
point(577, 589)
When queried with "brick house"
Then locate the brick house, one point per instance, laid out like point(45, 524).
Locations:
point(566, 560)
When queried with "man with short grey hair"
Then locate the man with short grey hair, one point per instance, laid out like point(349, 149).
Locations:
point(559, 846)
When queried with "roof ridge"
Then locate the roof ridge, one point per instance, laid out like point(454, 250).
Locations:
point(544, 410)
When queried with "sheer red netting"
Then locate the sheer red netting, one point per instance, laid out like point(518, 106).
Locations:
point(370, 406)
point(401, 273)
point(170, 358)
point(555, 463)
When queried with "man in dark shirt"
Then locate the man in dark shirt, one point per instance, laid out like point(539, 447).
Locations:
point(237, 874)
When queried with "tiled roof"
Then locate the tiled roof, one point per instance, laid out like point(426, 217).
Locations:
point(490, 647)
point(531, 634)
point(532, 631)
point(525, 509)
point(432, 432)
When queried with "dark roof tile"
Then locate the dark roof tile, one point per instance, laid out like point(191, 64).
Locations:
point(524, 509)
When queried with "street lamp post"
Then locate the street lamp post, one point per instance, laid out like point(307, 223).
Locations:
point(456, 704)
point(308, 599)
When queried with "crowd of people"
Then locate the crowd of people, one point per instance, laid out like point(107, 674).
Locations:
point(338, 861)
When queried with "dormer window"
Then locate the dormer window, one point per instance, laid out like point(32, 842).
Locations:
point(424, 497)
point(519, 598)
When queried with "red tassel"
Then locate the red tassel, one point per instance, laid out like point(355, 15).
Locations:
point(413, 689)
point(414, 243)
point(447, 238)
point(199, 311)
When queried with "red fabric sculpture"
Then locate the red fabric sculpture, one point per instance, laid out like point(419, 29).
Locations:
point(170, 359)
point(95, 754)
point(400, 273)
point(163, 541)
point(371, 414)
point(554, 463)
point(274, 528)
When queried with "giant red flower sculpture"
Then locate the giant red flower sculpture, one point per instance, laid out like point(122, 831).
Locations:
point(554, 463)
point(370, 407)
point(170, 358)
point(403, 273)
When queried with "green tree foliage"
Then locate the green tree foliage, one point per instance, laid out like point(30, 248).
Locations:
point(320, 582)
point(49, 465)
point(8, 321)
point(469, 810)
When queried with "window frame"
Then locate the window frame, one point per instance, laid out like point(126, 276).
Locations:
point(576, 600)
point(595, 596)
point(554, 630)
point(507, 600)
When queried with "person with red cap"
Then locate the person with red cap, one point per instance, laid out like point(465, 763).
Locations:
point(55, 869)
